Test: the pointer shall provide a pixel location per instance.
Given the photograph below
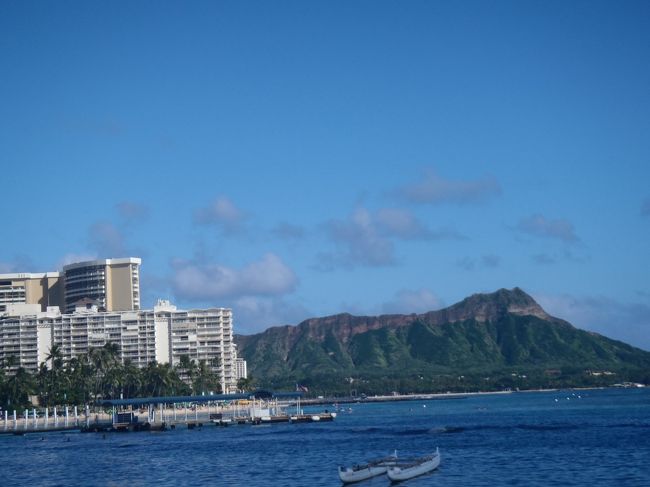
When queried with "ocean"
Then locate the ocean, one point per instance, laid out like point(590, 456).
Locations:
point(568, 438)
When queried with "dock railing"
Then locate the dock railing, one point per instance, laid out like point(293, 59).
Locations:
point(47, 419)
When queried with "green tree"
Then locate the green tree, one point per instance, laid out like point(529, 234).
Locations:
point(246, 384)
point(18, 387)
point(206, 380)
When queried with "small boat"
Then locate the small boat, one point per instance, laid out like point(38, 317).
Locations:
point(357, 473)
point(222, 421)
point(408, 470)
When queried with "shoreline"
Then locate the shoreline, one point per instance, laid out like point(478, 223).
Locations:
point(438, 396)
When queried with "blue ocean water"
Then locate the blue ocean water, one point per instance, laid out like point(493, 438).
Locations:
point(595, 438)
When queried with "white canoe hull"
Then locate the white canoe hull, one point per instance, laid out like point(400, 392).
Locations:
point(350, 475)
point(425, 465)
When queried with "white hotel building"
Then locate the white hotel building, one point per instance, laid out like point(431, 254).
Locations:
point(162, 334)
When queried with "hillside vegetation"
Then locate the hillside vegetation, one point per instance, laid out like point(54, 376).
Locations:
point(485, 342)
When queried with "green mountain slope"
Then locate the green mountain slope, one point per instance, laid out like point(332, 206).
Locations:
point(487, 341)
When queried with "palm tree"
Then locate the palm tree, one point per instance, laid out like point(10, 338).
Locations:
point(18, 388)
point(206, 379)
point(81, 375)
point(103, 359)
point(187, 370)
point(50, 379)
point(55, 357)
point(132, 379)
point(245, 383)
point(162, 380)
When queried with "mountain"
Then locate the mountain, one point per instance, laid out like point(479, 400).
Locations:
point(496, 340)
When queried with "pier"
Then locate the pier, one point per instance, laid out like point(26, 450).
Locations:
point(219, 410)
point(166, 413)
point(45, 421)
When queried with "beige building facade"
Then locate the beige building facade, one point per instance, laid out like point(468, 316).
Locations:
point(44, 289)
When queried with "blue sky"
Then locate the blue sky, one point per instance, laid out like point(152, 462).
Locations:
point(298, 159)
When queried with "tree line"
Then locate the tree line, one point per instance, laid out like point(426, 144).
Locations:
point(101, 374)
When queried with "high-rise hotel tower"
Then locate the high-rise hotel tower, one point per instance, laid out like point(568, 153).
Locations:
point(114, 284)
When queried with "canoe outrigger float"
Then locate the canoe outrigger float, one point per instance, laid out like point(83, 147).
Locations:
point(357, 473)
point(404, 471)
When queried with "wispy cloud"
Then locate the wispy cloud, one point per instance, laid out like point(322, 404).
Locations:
point(566, 255)
point(105, 127)
point(288, 231)
point(222, 213)
point(433, 189)
point(487, 261)
point(645, 207)
point(255, 314)
point(628, 322)
point(132, 212)
point(544, 259)
point(269, 276)
point(412, 301)
point(403, 224)
point(368, 239)
point(540, 226)
point(361, 242)
point(491, 260)
point(106, 239)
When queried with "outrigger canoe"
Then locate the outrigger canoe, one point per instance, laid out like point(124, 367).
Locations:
point(357, 473)
point(420, 466)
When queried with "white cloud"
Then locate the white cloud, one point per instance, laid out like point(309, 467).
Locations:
point(223, 213)
point(408, 301)
point(132, 212)
point(362, 242)
point(400, 223)
point(255, 314)
point(433, 189)
point(540, 226)
point(544, 259)
point(367, 239)
point(268, 276)
point(645, 207)
point(106, 239)
point(489, 261)
point(288, 231)
point(627, 322)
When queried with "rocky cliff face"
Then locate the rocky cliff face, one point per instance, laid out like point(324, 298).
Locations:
point(344, 326)
point(490, 307)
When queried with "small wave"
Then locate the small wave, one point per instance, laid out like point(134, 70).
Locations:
point(481, 427)
point(630, 425)
point(547, 427)
point(369, 430)
point(413, 432)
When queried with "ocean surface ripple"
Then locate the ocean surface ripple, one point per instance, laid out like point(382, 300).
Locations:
point(600, 438)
